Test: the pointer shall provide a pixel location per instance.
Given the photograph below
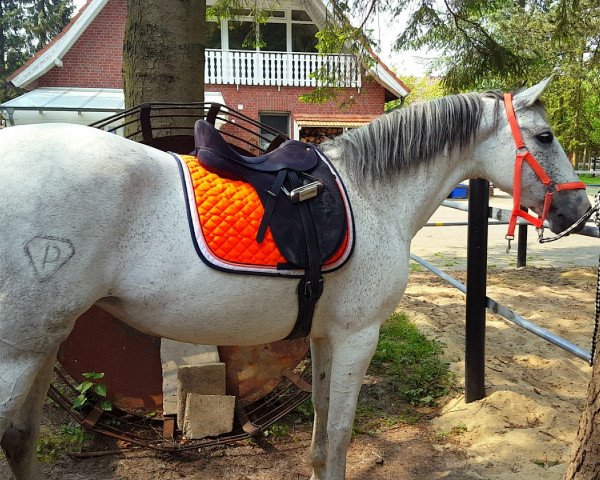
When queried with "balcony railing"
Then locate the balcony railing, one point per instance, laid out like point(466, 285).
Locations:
point(240, 67)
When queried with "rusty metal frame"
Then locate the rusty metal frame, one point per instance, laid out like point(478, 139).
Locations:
point(145, 432)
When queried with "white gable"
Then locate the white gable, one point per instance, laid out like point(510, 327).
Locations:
point(53, 55)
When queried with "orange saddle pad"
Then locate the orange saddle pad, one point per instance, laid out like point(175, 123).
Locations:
point(224, 217)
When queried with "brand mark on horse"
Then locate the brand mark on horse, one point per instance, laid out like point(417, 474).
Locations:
point(47, 254)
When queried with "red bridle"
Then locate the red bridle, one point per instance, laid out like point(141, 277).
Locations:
point(523, 154)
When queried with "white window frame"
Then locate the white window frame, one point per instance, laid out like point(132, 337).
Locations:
point(287, 19)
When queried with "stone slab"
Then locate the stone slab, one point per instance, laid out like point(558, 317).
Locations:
point(207, 379)
point(208, 415)
point(175, 354)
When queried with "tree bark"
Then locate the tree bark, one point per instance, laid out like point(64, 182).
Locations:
point(585, 458)
point(163, 55)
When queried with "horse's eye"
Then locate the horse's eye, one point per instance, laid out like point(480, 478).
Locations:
point(545, 137)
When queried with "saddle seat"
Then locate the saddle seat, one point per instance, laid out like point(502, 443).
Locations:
point(305, 206)
point(291, 154)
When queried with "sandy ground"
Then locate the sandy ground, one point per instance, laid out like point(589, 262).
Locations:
point(522, 430)
point(525, 426)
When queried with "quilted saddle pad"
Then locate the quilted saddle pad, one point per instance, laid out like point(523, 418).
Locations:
point(224, 216)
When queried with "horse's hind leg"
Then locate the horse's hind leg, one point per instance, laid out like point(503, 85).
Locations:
point(22, 423)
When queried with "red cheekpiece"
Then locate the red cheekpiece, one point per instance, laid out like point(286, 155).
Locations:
point(523, 154)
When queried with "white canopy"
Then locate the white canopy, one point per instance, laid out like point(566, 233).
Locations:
point(70, 105)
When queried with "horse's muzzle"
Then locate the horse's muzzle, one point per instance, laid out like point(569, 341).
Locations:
point(567, 208)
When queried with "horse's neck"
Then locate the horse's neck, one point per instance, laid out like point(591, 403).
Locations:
point(409, 198)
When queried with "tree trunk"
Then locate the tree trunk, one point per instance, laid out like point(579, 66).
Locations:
point(585, 459)
point(163, 56)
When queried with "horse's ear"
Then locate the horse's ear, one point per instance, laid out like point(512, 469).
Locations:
point(528, 97)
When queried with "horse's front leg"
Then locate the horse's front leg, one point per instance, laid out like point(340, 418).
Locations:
point(350, 359)
point(321, 378)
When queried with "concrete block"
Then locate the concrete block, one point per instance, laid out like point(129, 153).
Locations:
point(208, 415)
point(208, 379)
point(175, 354)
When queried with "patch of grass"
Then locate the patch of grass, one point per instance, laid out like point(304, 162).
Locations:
point(545, 463)
point(412, 361)
point(415, 267)
point(451, 263)
point(370, 419)
point(66, 438)
point(406, 377)
point(588, 179)
point(277, 431)
point(455, 431)
point(306, 410)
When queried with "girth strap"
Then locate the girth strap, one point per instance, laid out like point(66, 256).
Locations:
point(310, 286)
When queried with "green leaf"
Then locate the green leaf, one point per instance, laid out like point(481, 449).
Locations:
point(79, 401)
point(93, 375)
point(106, 405)
point(100, 389)
point(84, 387)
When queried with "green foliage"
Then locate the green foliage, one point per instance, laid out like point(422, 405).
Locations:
point(277, 431)
point(52, 444)
point(422, 89)
point(230, 9)
point(44, 19)
point(508, 44)
point(92, 392)
point(413, 361)
point(306, 410)
point(25, 26)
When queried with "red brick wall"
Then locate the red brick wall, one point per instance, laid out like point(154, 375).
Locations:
point(96, 59)
point(258, 98)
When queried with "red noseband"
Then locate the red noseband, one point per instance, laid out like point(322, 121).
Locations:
point(524, 155)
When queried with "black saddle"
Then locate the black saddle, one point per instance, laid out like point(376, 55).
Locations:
point(303, 205)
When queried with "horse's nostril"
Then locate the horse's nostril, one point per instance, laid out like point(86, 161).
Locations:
point(561, 216)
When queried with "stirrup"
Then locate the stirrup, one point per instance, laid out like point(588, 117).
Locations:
point(305, 192)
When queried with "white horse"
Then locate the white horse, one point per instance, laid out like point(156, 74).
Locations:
point(88, 218)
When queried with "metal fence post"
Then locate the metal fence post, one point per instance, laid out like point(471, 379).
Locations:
point(477, 239)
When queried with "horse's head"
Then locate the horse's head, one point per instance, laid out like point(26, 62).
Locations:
point(549, 191)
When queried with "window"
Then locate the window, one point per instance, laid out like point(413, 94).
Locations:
point(278, 121)
point(273, 37)
point(301, 15)
point(284, 31)
point(213, 35)
point(241, 36)
point(303, 37)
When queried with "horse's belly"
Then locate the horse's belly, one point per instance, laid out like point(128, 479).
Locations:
point(215, 308)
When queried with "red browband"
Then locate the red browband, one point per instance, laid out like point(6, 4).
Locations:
point(523, 154)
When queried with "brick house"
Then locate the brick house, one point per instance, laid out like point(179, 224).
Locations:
point(78, 76)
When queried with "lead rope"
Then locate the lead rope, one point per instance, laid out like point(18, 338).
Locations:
point(595, 209)
point(597, 313)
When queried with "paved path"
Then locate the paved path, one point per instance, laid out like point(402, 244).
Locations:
point(446, 247)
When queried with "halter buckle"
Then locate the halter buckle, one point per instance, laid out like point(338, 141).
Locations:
point(540, 232)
